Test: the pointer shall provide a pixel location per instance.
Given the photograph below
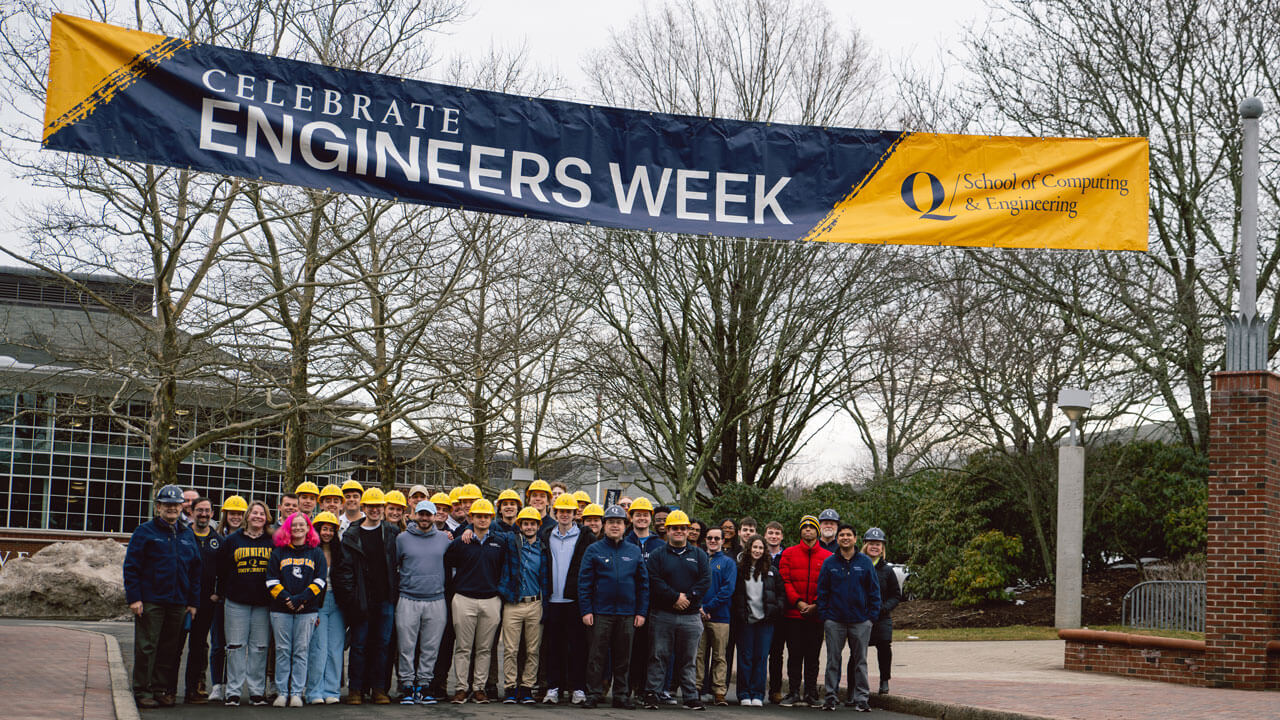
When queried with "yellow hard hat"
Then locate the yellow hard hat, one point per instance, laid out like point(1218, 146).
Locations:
point(235, 503)
point(306, 487)
point(482, 507)
point(565, 502)
point(326, 516)
point(538, 485)
point(582, 496)
point(470, 492)
point(395, 497)
point(454, 494)
point(509, 495)
point(593, 510)
point(331, 490)
point(373, 496)
point(528, 514)
point(640, 504)
point(352, 484)
point(677, 517)
point(441, 499)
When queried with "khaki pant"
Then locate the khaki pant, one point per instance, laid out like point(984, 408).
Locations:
point(518, 618)
point(714, 636)
point(474, 623)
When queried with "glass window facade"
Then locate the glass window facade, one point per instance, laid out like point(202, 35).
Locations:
point(65, 464)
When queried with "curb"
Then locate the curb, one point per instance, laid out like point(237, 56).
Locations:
point(946, 711)
point(121, 688)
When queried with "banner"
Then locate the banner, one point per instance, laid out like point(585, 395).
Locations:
point(137, 96)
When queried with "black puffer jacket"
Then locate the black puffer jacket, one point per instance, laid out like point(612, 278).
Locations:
point(775, 596)
point(351, 573)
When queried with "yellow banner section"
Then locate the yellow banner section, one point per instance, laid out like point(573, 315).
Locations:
point(90, 62)
point(1009, 192)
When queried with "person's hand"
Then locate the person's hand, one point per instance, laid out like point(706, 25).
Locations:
point(466, 536)
point(703, 613)
point(682, 602)
point(136, 607)
point(639, 621)
point(192, 612)
point(809, 610)
point(213, 598)
point(289, 604)
point(589, 619)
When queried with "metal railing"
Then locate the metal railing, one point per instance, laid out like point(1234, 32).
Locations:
point(1166, 604)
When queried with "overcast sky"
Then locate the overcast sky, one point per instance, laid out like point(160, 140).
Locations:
point(558, 34)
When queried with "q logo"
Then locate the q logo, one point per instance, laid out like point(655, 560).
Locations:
point(937, 196)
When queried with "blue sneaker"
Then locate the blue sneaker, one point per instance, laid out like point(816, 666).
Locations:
point(407, 695)
point(426, 699)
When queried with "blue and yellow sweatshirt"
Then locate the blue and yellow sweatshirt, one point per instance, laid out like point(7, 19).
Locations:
point(297, 574)
point(242, 568)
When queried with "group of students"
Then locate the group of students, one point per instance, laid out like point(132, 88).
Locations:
point(632, 601)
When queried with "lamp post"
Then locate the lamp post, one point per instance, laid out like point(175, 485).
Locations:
point(1068, 579)
point(1247, 330)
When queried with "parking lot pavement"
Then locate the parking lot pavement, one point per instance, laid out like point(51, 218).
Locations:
point(44, 689)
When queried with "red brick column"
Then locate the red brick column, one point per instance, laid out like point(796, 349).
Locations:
point(1242, 598)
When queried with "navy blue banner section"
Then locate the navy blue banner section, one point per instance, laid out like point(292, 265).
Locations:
point(249, 115)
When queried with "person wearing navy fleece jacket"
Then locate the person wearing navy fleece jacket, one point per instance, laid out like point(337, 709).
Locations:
point(613, 597)
point(161, 585)
point(296, 576)
point(716, 616)
point(848, 601)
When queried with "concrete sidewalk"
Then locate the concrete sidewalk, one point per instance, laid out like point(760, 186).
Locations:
point(1026, 680)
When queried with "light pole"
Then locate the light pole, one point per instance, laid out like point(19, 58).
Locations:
point(1247, 330)
point(1068, 579)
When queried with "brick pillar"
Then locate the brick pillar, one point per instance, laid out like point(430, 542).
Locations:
point(1242, 596)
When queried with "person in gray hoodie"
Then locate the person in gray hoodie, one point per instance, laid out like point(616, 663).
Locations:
point(420, 613)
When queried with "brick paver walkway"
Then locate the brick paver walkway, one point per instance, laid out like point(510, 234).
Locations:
point(1027, 677)
point(48, 672)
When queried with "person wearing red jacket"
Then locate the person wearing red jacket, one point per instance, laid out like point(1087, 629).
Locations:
point(799, 566)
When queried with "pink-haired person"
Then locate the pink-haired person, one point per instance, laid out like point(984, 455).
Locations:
point(296, 582)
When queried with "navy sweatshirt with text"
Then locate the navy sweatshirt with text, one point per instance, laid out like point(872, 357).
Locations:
point(297, 574)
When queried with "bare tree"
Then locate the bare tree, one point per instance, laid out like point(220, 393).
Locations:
point(1173, 71)
point(292, 258)
point(166, 227)
point(721, 351)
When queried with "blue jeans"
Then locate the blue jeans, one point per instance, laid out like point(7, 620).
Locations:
point(370, 639)
point(248, 632)
point(675, 637)
point(293, 644)
point(324, 662)
point(754, 640)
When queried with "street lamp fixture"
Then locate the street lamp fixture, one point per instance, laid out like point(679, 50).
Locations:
point(1074, 403)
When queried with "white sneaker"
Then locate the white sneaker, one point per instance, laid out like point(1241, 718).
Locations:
point(745, 702)
point(332, 700)
point(757, 703)
point(317, 701)
point(579, 697)
point(552, 697)
point(295, 701)
point(281, 701)
point(215, 695)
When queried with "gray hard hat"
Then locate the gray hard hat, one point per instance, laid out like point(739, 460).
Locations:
point(874, 535)
point(829, 514)
point(615, 511)
point(170, 494)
